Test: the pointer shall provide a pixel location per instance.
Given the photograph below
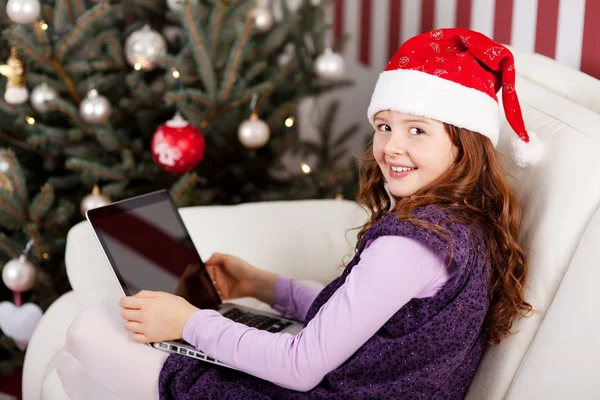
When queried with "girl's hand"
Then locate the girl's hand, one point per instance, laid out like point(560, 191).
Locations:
point(155, 316)
point(232, 276)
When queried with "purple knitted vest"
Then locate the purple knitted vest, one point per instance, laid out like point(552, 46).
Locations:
point(429, 349)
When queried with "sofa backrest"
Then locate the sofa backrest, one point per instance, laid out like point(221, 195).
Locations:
point(559, 196)
point(303, 239)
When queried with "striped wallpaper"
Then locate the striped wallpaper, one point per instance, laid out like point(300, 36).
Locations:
point(566, 30)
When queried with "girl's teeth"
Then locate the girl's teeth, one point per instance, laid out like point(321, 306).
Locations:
point(401, 169)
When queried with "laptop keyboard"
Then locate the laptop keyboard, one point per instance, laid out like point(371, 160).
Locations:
point(257, 321)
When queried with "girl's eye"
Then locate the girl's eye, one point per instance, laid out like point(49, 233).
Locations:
point(416, 131)
point(382, 127)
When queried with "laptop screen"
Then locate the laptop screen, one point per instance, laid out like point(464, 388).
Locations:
point(149, 248)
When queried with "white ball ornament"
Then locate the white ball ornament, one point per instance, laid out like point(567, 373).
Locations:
point(254, 133)
point(41, 95)
point(144, 47)
point(262, 17)
point(19, 274)
point(178, 5)
point(16, 95)
point(95, 108)
point(329, 65)
point(93, 200)
point(23, 11)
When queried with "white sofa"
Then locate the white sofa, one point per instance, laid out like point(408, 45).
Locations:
point(553, 355)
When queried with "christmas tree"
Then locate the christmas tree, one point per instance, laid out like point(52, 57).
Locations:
point(105, 100)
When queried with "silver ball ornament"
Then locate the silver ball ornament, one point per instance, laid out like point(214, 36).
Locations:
point(177, 5)
point(95, 108)
point(93, 200)
point(262, 17)
point(23, 11)
point(144, 47)
point(41, 95)
point(329, 65)
point(19, 274)
point(254, 133)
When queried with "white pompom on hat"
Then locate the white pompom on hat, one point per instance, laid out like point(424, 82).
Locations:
point(452, 75)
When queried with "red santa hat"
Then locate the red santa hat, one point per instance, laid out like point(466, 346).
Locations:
point(453, 75)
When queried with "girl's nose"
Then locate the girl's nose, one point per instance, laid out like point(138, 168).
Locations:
point(394, 146)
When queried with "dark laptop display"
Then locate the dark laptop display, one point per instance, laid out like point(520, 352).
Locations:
point(149, 248)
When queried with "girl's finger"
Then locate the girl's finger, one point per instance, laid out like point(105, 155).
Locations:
point(147, 294)
point(132, 302)
point(131, 315)
point(140, 338)
point(133, 327)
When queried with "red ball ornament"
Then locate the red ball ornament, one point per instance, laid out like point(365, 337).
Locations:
point(177, 146)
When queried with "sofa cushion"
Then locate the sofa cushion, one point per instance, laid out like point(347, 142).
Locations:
point(564, 359)
point(559, 196)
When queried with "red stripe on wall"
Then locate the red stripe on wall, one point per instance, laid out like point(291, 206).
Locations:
point(547, 27)
point(427, 15)
point(365, 32)
point(463, 14)
point(590, 52)
point(395, 9)
point(503, 21)
point(338, 22)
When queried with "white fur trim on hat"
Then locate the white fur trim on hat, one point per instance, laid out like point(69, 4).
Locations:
point(419, 93)
point(527, 154)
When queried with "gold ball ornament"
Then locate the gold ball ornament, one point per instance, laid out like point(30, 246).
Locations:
point(94, 200)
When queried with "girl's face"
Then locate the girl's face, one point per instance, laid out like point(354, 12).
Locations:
point(404, 141)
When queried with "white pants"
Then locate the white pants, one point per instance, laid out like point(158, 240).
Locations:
point(105, 362)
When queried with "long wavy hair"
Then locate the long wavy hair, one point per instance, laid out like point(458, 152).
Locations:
point(477, 183)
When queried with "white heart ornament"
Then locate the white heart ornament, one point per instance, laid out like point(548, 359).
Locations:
point(19, 323)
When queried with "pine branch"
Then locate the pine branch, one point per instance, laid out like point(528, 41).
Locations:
point(183, 184)
point(261, 90)
point(87, 22)
point(255, 70)
point(217, 18)
point(193, 94)
point(70, 111)
point(201, 56)
point(234, 61)
point(88, 67)
point(9, 246)
point(15, 172)
point(43, 40)
point(78, 7)
point(94, 169)
point(11, 211)
point(41, 203)
point(27, 48)
point(63, 15)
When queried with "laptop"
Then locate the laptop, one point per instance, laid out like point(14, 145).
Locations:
point(149, 247)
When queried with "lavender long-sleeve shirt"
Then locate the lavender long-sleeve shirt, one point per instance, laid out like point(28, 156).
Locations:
point(392, 271)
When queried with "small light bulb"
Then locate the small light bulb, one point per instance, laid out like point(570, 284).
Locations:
point(43, 25)
point(289, 122)
point(305, 168)
point(46, 256)
point(175, 74)
point(137, 66)
point(30, 120)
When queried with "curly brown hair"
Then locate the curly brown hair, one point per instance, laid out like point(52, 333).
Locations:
point(477, 182)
